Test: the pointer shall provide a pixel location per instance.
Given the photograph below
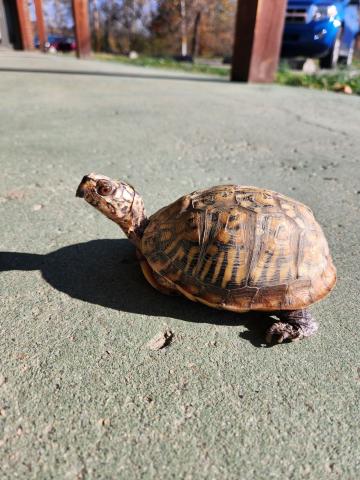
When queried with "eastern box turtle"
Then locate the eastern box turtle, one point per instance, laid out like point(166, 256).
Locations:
point(230, 247)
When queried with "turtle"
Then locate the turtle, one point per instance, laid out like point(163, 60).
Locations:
point(230, 247)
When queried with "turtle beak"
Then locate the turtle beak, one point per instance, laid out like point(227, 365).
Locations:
point(80, 190)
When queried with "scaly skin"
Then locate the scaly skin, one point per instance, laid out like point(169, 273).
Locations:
point(119, 201)
point(294, 325)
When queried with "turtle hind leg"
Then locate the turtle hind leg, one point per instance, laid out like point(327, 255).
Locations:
point(293, 325)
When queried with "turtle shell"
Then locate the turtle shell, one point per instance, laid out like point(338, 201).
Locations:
point(241, 248)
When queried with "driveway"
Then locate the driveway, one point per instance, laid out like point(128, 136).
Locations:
point(81, 394)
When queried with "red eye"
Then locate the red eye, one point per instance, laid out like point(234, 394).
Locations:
point(104, 188)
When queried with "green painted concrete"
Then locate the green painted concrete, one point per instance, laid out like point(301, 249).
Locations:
point(81, 394)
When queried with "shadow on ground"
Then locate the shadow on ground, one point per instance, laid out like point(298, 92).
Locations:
point(106, 273)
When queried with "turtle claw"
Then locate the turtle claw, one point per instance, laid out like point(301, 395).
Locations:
point(280, 332)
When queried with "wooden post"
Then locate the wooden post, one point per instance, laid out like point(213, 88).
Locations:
point(40, 24)
point(258, 34)
point(82, 29)
point(26, 32)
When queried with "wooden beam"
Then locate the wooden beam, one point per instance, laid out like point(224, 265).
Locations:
point(25, 27)
point(40, 24)
point(82, 28)
point(258, 34)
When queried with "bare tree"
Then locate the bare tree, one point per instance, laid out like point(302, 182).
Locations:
point(108, 11)
point(58, 15)
point(184, 41)
point(122, 22)
point(193, 26)
point(95, 21)
point(132, 18)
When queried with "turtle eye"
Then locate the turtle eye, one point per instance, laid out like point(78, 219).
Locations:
point(104, 188)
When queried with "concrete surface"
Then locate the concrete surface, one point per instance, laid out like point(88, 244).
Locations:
point(81, 395)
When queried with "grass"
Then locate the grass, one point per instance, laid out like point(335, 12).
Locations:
point(338, 81)
point(341, 80)
point(168, 63)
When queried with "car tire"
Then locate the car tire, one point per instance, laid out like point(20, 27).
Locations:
point(332, 58)
point(346, 60)
point(296, 64)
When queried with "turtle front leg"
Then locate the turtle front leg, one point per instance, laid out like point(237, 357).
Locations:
point(294, 325)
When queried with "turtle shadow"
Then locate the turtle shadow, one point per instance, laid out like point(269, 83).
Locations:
point(106, 272)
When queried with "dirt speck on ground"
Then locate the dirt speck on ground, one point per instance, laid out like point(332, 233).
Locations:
point(104, 422)
point(14, 195)
point(37, 206)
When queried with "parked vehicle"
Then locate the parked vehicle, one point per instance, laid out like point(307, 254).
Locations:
point(66, 44)
point(57, 43)
point(321, 29)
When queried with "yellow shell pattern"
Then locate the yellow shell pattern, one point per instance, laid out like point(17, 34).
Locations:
point(241, 248)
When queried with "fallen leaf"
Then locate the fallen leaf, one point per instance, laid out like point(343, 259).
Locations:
point(160, 340)
point(342, 87)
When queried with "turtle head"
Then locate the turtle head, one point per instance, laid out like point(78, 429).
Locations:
point(117, 200)
point(113, 198)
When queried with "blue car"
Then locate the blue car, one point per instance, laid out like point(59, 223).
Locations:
point(321, 29)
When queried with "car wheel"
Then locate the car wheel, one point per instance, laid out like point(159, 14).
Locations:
point(296, 63)
point(347, 59)
point(331, 59)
